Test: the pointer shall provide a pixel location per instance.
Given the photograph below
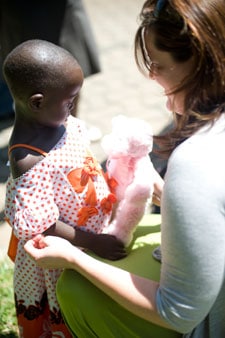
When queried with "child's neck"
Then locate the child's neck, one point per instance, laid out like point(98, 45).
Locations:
point(43, 137)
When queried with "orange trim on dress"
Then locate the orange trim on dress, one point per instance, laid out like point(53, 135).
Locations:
point(23, 145)
point(13, 242)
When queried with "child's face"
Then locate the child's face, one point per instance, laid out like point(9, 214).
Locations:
point(58, 103)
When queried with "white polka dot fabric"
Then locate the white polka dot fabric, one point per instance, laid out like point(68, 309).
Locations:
point(44, 195)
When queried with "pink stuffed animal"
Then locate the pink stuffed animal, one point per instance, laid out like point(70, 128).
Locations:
point(128, 147)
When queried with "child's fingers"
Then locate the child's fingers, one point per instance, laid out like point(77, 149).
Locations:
point(31, 247)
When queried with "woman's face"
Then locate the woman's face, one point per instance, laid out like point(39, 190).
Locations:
point(168, 73)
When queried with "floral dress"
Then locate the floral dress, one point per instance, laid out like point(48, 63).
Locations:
point(67, 185)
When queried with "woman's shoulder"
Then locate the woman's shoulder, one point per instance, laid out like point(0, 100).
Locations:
point(201, 158)
point(204, 146)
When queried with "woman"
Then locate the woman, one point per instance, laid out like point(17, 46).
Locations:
point(181, 44)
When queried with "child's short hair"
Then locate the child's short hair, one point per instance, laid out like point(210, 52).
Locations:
point(36, 65)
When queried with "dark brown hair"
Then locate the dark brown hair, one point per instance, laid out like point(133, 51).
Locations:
point(185, 29)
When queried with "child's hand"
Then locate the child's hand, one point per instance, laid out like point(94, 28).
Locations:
point(108, 246)
point(38, 241)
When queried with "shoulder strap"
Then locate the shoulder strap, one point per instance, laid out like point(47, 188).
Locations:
point(22, 145)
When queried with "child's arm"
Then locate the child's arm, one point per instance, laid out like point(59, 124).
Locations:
point(103, 245)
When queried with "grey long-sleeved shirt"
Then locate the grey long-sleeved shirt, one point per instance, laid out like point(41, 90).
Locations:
point(191, 296)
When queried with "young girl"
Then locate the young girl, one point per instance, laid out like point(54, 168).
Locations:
point(56, 186)
point(181, 44)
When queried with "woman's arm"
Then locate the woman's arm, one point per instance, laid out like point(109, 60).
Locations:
point(134, 293)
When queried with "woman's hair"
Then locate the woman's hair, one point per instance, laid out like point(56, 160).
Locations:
point(188, 29)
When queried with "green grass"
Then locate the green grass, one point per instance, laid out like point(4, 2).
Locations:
point(8, 323)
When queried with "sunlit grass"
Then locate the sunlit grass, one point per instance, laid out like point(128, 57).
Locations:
point(8, 323)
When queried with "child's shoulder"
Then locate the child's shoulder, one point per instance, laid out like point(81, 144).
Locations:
point(27, 149)
point(22, 159)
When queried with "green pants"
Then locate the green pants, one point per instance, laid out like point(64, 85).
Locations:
point(88, 312)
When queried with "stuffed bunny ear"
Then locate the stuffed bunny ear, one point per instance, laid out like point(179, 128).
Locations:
point(107, 144)
point(130, 136)
point(115, 142)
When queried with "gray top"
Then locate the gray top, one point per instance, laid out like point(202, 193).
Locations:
point(191, 296)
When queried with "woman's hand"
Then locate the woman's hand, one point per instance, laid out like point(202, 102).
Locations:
point(158, 187)
point(51, 251)
point(55, 252)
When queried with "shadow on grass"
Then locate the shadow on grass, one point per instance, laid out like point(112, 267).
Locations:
point(8, 335)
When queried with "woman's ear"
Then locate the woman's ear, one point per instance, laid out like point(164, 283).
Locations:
point(35, 101)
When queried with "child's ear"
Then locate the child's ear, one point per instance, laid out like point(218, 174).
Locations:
point(35, 101)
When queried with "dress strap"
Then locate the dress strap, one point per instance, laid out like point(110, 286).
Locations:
point(23, 145)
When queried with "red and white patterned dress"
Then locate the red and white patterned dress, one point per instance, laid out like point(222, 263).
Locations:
point(67, 185)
